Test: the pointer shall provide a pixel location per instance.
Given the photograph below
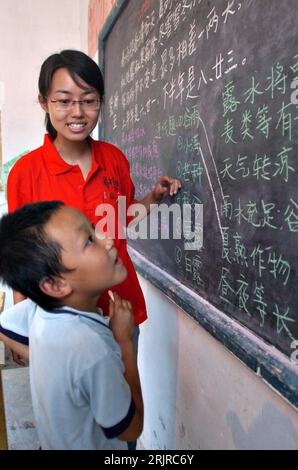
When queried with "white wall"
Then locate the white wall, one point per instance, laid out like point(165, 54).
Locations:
point(31, 30)
point(198, 395)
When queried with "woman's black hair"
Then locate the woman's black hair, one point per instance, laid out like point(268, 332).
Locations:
point(79, 65)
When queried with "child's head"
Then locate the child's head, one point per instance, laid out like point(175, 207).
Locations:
point(83, 71)
point(49, 253)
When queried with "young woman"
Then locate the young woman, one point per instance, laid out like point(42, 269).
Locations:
point(72, 167)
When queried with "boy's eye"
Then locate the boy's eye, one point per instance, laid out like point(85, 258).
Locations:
point(90, 240)
point(64, 102)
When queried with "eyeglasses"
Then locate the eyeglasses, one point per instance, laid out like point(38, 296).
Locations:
point(87, 105)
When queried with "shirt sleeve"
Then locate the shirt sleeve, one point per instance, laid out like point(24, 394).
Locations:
point(109, 395)
point(15, 322)
point(18, 187)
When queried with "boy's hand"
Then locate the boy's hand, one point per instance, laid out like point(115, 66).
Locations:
point(121, 319)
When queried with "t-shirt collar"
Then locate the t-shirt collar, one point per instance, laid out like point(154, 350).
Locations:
point(56, 165)
point(98, 317)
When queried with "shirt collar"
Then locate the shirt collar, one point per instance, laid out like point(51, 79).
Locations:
point(98, 317)
point(56, 165)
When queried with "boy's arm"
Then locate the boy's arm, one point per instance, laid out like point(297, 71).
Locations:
point(122, 325)
point(17, 297)
point(132, 378)
point(14, 327)
point(19, 352)
point(20, 349)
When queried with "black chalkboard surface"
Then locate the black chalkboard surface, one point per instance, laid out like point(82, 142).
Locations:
point(201, 91)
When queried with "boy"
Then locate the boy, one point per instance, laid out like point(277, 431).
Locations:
point(84, 396)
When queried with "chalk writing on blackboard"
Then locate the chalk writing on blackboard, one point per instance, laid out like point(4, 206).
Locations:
point(206, 92)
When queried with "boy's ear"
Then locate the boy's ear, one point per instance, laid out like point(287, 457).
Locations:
point(43, 103)
point(56, 287)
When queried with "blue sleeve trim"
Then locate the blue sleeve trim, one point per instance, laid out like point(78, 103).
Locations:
point(119, 428)
point(18, 338)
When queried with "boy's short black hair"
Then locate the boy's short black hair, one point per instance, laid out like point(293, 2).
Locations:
point(27, 254)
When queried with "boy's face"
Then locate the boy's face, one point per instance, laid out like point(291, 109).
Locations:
point(94, 261)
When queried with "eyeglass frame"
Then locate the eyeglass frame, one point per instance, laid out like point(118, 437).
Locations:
point(71, 103)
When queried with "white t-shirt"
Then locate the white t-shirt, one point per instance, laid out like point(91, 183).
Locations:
point(80, 397)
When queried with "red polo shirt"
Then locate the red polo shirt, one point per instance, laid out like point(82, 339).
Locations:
point(42, 175)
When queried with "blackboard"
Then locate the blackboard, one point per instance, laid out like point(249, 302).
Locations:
point(202, 91)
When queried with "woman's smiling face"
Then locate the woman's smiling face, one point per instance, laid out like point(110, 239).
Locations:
point(77, 122)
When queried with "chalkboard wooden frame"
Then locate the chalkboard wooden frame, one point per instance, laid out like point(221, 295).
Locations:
point(266, 361)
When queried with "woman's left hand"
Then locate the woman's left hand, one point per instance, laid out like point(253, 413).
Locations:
point(165, 186)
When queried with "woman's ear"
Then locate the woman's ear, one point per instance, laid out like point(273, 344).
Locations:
point(56, 287)
point(43, 103)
